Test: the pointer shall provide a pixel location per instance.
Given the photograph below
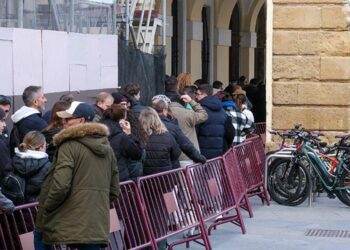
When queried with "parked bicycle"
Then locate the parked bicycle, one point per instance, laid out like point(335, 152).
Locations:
point(289, 180)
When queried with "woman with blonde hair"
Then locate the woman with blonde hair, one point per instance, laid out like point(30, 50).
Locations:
point(183, 79)
point(30, 166)
point(161, 148)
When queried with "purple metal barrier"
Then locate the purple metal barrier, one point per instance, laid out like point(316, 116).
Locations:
point(214, 195)
point(135, 232)
point(251, 171)
point(259, 152)
point(15, 228)
point(130, 230)
point(236, 180)
point(260, 129)
point(171, 207)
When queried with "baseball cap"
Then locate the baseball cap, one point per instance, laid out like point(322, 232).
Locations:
point(78, 110)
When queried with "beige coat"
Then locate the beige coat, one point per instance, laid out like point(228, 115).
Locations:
point(188, 119)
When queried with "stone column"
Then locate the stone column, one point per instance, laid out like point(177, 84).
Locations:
point(222, 43)
point(194, 48)
point(247, 54)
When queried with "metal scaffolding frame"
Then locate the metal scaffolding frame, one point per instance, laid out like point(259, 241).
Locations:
point(90, 16)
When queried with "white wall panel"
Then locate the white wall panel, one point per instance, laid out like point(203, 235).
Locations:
point(77, 77)
point(108, 46)
point(6, 74)
point(55, 61)
point(58, 61)
point(27, 59)
point(6, 34)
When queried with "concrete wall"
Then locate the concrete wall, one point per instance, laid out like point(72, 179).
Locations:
point(310, 65)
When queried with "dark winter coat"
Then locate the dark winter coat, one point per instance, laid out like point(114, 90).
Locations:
point(76, 194)
point(28, 119)
point(185, 144)
point(32, 167)
point(215, 135)
point(5, 158)
point(127, 151)
point(161, 151)
point(136, 106)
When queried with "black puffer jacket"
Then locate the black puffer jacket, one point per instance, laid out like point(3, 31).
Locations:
point(215, 135)
point(5, 158)
point(161, 151)
point(127, 151)
point(33, 167)
point(185, 144)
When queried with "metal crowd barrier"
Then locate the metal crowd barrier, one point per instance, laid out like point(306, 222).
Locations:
point(166, 204)
point(251, 171)
point(234, 173)
point(171, 207)
point(259, 152)
point(214, 195)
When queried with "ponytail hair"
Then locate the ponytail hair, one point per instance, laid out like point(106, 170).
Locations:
point(33, 140)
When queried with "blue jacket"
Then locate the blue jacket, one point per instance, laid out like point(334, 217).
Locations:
point(215, 135)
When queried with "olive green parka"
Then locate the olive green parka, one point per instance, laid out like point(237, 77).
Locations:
point(76, 194)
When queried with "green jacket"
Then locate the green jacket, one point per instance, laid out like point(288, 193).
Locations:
point(76, 194)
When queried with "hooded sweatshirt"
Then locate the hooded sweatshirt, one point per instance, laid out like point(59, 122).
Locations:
point(28, 119)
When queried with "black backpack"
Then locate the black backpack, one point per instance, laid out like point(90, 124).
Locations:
point(15, 139)
point(13, 187)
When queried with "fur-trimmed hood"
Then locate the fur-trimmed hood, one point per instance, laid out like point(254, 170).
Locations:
point(92, 135)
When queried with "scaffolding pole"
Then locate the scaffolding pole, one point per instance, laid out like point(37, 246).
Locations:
point(71, 16)
point(114, 17)
point(20, 14)
point(127, 28)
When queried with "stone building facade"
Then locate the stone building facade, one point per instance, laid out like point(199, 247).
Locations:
point(310, 65)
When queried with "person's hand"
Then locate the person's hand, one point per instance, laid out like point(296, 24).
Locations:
point(186, 98)
point(125, 125)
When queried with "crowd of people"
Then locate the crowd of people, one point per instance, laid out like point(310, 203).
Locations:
point(72, 157)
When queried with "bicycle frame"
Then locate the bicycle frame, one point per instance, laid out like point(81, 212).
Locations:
point(329, 180)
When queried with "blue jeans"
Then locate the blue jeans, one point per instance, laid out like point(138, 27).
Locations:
point(38, 241)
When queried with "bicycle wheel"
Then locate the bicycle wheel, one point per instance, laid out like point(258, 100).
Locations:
point(344, 194)
point(288, 183)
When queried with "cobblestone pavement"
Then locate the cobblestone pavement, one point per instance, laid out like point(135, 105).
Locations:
point(282, 227)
